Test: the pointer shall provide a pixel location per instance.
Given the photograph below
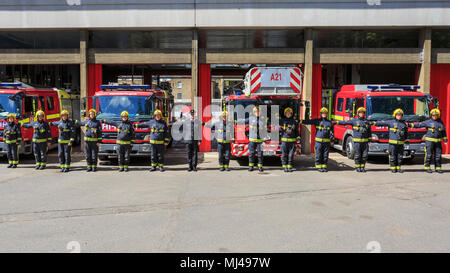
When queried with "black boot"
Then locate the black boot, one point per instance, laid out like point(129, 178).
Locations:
point(125, 169)
point(38, 167)
point(190, 169)
point(429, 171)
point(66, 170)
point(120, 169)
point(10, 166)
point(250, 168)
point(399, 170)
point(42, 167)
point(285, 170)
point(260, 169)
point(439, 171)
point(227, 169)
point(94, 169)
point(62, 170)
point(161, 168)
point(194, 168)
point(358, 169)
point(153, 168)
point(393, 170)
point(363, 170)
point(14, 165)
point(89, 169)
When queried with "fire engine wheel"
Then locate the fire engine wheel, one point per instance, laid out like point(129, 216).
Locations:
point(349, 148)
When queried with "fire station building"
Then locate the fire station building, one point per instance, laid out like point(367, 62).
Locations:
point(203, 48)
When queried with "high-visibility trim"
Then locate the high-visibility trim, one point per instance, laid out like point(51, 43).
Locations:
point(53, 116)
point(11, 141)
point(322, 128)
point(284, 166)
point(289, 166)
point(433, 139)
point(225, 166)
point(122, 142)
point(393, 167)
point(15, 162)
point(260, 165)
point(63, 141)
point(357, 165)
point(318, 139)
point(400, 142)
point(156, 141)
point(341, 118)
point(360, 140)
point(153, 164)
point(318, 166)
point(393, 129)
point(398, 167)
point(251, 164)
point(40, 140)
point(223, 141)
point(160, 165)
point(426, 167)
point(91, 139)
point(288, 139)
point(256, 140)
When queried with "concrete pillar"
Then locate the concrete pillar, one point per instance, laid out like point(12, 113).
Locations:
point(84, 36)
point(425, 68)
point(307, 87)
point(194, 67)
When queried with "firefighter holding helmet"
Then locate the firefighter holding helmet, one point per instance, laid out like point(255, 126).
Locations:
point(42, 138)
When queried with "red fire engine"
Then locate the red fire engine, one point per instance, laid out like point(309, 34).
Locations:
point(24, 102)
point(267, 86)
point(140, 102)
point(380, 102)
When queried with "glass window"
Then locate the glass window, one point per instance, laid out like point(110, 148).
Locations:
point(440, 38)
point(408, 38)
point(39, 39)
point(42, 103)
point(8, 105)
point(140, 39)
point(349, 105)
point(236, 39)
point(340, 105)
point(382, 107)
point(28, 105)
point(110, 107)
point(50, 103)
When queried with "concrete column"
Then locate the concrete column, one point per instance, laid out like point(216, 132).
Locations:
point(84, 36)
point(307, 87)
point(425, 68)
point(194, 67)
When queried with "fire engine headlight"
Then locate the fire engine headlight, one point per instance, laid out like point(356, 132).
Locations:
point(374, 136)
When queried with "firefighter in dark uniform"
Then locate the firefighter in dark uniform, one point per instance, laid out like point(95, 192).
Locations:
point(159, 138)
point(436, 133)
point(362, 134)
point(125, 140)
point(66, 138)
point(224, 133)
point(192, 133)
point(12, 137)
point(398, 135)
point(92, 138)
point(289, 137)
point(257, 135)
point(42, 138)
point(323, 138)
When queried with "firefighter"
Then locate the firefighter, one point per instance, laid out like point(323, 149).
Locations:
point(92, 138)
point(42, 138)
point(12, 138)
point(324, 136)
point(398, 135)
point(436, 133)
point(125, 139)
point(257, 135)
point(192, 133)
point(289, 137)
point(66, 138)
point(159, 138)
point(362, 133)
point(224, 131)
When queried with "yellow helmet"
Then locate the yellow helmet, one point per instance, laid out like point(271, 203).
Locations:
point(224, 113)
point(157, 112)
point(92, 111)
point(11, 115)
point(256, 108)
point(361, 109)
point(323, 109)
point(398, 111)
point(288, 109)
point(64, 112)
point(124, 114)
point(435, 111)
point(40, 112)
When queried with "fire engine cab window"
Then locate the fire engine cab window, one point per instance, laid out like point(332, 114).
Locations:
point(139, 107)
point(50, 104)
point(28, 105)
point(42, 103)
point(8, 105)
point(340, 105)
point(349, 105)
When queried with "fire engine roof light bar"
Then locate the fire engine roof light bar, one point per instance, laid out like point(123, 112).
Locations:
point(10, 84)
point(125, 86)
point(404, 87)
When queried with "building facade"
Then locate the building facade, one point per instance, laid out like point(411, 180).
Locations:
point(201, 44)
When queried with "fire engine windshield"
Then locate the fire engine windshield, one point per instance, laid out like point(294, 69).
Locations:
point(110, 107)
point(8, 105)
point(272, 104)
point(382, 107)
